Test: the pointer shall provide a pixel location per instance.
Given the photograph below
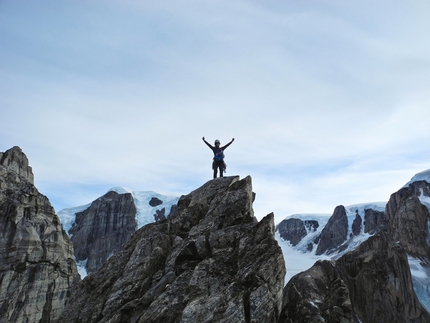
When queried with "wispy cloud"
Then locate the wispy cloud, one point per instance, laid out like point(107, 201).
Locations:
point(328, 102)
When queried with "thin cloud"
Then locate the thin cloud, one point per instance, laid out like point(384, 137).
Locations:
point(329, 99)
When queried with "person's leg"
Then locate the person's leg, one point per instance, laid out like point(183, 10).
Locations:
point(221, 169)
point(215, 168)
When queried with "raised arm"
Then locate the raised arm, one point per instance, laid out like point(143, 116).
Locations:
point(209, 145)
point(224, 147)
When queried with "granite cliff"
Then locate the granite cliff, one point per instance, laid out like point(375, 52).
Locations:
point(37, 266)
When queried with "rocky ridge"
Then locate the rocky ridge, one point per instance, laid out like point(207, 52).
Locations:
point(37, 266)
point(211, 262)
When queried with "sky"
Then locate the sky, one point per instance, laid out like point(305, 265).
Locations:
point(328, 101)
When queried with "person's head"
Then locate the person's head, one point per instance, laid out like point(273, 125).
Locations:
point(217, 143)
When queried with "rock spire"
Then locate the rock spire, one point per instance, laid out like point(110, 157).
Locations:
point(37, 266)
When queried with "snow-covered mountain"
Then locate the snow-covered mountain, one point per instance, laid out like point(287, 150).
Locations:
point(145, 212)
point(107, 223)
point(298, 258)
point(302, 256)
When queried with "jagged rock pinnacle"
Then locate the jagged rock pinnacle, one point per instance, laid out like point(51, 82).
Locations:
point(16, 161)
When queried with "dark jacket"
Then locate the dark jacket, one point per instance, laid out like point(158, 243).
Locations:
point(218, 151)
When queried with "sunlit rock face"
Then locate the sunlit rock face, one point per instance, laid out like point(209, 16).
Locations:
point(37, 266)
point(211, 262)
point(15, 163)
point(103, 229)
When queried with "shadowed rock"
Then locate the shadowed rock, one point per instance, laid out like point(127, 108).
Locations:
point(317, 295)
point(103, 228)
point(369, 284)
point(374, 221)
point(335, 232)
point(292, 230)
point(409, 218)
point(155, 202)
point(356, 225)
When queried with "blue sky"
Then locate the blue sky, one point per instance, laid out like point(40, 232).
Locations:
point(328, 101)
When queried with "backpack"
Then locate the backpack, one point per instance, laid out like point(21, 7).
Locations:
point(220, 156)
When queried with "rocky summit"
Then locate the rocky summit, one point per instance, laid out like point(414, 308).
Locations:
point(211, 262)
point(37, 266)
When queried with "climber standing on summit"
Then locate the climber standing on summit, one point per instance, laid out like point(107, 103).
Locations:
point(218, 162)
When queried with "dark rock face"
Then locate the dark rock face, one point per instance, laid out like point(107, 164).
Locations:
point(211, 262)
point(380, 283)
point(292, 230)
point(335, 232)
point(311, 225)
point(408, 219)
point(356, 225)
point(374, 221)
point(37, 266)
point(160, 215)
point(155, 202)
point(174, 210)
point(369, 284)
point(317, 295)
point(103, 229)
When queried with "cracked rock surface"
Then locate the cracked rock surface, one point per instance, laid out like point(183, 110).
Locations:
point(37, 266)
point(211, 262)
